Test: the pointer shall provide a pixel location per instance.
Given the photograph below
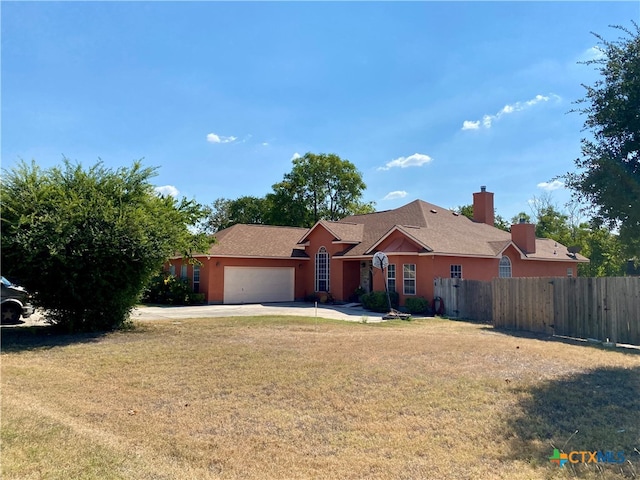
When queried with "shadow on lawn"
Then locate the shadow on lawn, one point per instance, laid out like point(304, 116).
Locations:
point(603, 406)
point(17, 339)
point(631, 350)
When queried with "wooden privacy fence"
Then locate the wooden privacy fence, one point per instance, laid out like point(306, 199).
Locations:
point(469, 299)
point(601, 308)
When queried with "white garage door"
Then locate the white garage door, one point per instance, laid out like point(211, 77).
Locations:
point(258, 284)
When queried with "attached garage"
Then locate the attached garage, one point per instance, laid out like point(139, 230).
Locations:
point(258, 284)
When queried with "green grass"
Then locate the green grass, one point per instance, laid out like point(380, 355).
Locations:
point(287, 397)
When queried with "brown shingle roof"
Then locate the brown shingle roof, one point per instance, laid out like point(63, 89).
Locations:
point(546, 248)
point(437, 229)
point(258, 241)
point(442, 231)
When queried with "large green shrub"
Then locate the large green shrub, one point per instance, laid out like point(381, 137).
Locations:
point(377, 301)
point(87, 241)
point(416, 305)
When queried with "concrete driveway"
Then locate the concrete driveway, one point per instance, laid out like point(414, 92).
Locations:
point(354, 313)
point(340, 312)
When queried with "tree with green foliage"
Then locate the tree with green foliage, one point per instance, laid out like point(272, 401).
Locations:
point(551, 223)
point(246, 209)
point(602, 248)
point(608, 176)
point(319, 186)
point(86, 242)
point(217, 216)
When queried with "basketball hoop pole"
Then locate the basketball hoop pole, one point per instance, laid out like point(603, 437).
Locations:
point(386, 288)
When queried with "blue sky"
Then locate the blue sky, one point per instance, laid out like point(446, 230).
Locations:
point(429, 100)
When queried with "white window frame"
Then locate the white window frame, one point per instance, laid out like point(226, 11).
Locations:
point(391, 277)
point(570, 272)
point(322, 270)
point(409, 268)
point(196, 279)
point(183, 271)
point(172, 270)
point(455, 271)
point(504, 267)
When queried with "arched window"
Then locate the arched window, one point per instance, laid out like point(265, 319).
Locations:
point(505, 267)
point(322, 270)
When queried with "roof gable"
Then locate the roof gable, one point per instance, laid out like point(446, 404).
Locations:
point(342, 232)
point(399, 239)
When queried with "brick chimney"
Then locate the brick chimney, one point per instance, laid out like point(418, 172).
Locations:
point(483, 206)
point(524, 236)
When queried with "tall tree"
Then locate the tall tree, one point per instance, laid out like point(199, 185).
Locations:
point(319, 186)
point(327, 186)
point(224, 213)
point(608, 175)
point(86, 242)
point(217, 216)
point(248, 209)
point(603, 249)
point(551, 223)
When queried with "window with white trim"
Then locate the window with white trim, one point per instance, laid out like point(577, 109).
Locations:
point(183, 271)
point(504, 269)
point(409, 278)
point(322, 270)
point(196, 279)
point(391, 278)
point(172, 270)
point(456, 271)
point(569, 272)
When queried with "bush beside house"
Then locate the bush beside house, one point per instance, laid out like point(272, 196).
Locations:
point(377, 301)
point(416, 305)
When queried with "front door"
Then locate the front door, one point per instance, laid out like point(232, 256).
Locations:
point(366, 275)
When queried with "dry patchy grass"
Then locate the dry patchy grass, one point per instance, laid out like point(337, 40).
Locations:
point(288, 398)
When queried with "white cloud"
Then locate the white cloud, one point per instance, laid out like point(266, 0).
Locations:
point(265, 144)
point(555, 185)
point(591, 54)
point(295, 155)
point(395, 194)
point(468, 125)
point(167, 190)
point(487, 120)
point(213, 138)
point(415, 160)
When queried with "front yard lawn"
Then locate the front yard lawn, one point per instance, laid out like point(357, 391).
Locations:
point(288, 398)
